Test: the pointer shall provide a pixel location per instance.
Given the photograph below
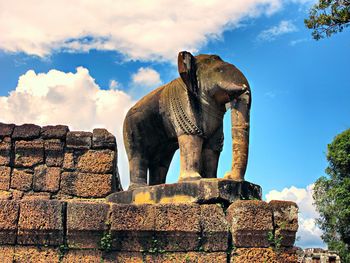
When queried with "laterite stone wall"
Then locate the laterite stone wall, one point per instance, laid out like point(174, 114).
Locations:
point(52, 162)
point(79, 230)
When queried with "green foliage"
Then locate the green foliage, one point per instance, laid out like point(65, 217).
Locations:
point(155, 247)
point(274, 240)
point(62, 250)
point(332, 197)
point(106, 242)
point(328, 17)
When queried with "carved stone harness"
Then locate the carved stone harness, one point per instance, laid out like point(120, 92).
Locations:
point(185, 115)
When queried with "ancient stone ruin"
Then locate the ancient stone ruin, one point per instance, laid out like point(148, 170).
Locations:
point(61, 201)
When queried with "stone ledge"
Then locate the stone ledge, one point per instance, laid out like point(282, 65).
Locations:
point(204, 191)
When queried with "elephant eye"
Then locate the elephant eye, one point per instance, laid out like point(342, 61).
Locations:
point(219, 69)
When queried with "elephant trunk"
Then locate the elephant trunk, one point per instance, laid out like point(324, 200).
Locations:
point(240, 111)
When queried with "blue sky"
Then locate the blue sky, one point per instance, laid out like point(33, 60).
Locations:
point(300, 86)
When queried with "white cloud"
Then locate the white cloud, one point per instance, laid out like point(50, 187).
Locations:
point(308, 233)
point(148, 30)
point(70, 98)
point(270, 34)
point(113, 84)
point(298, 41)
point(147, 77)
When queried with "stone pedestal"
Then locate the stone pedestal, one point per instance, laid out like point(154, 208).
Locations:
point(204, 191)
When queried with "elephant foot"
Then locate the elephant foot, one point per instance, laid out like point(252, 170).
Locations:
point(189, 176)
point(231, 175)
point(133, 186)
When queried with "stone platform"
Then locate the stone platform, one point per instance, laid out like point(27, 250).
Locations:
point(204, 191)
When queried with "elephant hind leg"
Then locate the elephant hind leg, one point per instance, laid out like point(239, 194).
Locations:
point(138, 172)
point(159, 169)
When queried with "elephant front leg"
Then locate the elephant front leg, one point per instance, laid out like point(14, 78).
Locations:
point(190, 157)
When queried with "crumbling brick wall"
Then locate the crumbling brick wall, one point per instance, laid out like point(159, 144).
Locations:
point(52, 162)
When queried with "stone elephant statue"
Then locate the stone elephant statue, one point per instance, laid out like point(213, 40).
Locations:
point(187, 113)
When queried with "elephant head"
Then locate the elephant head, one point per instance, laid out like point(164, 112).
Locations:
point(217, 82)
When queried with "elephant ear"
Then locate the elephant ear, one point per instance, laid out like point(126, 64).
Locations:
point(187, 70)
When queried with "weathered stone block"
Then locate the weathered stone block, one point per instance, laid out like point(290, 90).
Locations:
point(54, 152)
point(285, 220)
point(102, 139)
point(243, 255)
point(78, 140)
point(17, 194)
point(5, 175)
point(31, 254)
point(5, 195)
point(36, 196)
point(26, 132)
point(250, 222)
point(132, 227)
point(5, 151)
point(40, 222)
point(189, 257)
point(7, 254)
point(215, 228)
point(124, 257)
point(29, 153)
point(68, 161)
point(54, 132)
point(8, 221)
point(86, 184)
point(80, 256)
point(96, 161)
point(202, 191)
point(177, 227)
point(6, 130)
point(46, 178)
point(86, 223)
point(22, 179)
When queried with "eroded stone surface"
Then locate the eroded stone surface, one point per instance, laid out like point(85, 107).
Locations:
point(31, 254)
point(40, 222)
point(6, 129)
point(285, 220)
point(124, 257)
point(90, 256)
point(250, 222)
point(189, 257)
point(78, 140)
point(22, 179)
point(5, 151)
point(8, 221)
point(29, 153)
point(132, 227)
point(86, 184)
point(102, 139)
point(68, 161)
point(86, 223)
point(46, 178)
point(26, 132)
point(243, 255)
point(177, 227)
point(200, 191)
point(96, 161)
point(5, 173)
point(54, 132)
point(7, 254)
point(215, 228)
point(54, 152)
